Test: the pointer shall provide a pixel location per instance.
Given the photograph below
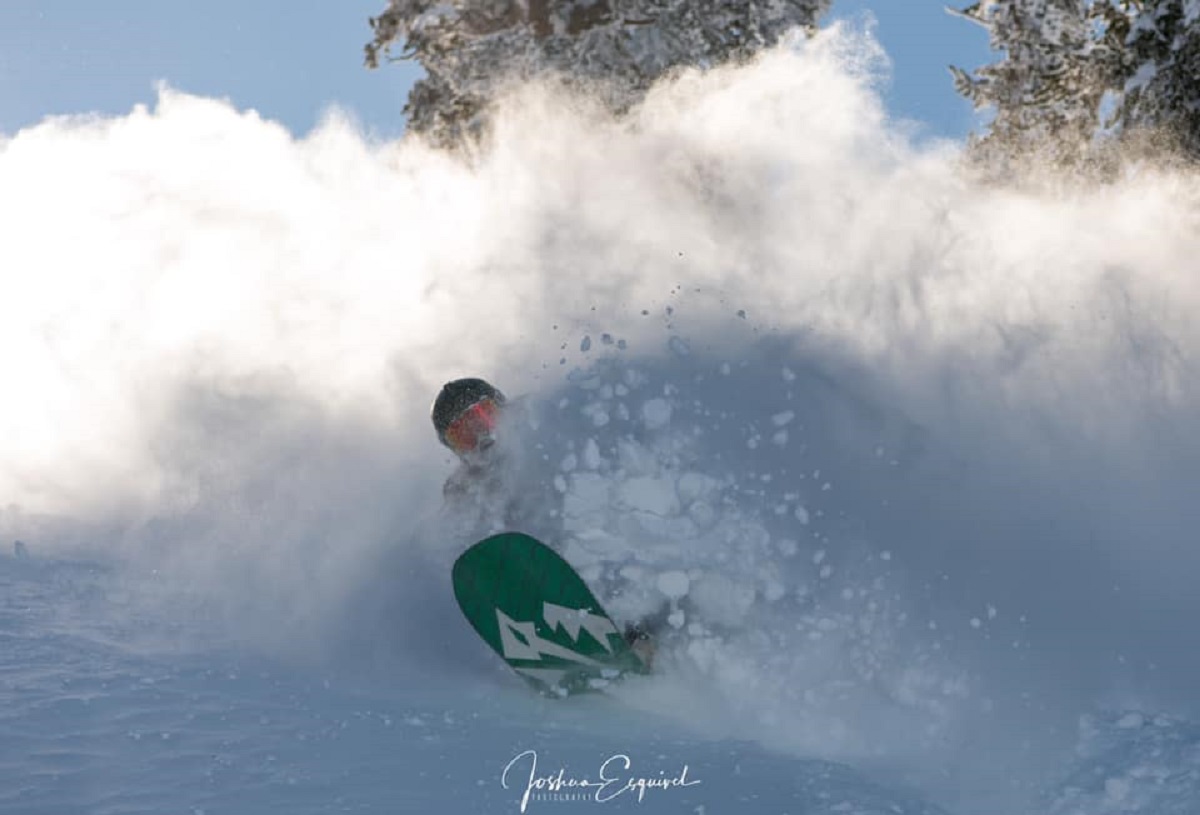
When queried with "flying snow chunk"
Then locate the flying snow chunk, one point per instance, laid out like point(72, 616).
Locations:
point(596, 412)
point(647, 494)
point(1131, 721)
point(1117, 790)
point(679, 347)
point(586, 344)
point(673, 584)
point(656, 414)
point(781, 419)
point(802, 515)
point(773, 589)
point(591, 455)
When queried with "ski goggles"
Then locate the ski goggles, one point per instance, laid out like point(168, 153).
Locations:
point(473, 429)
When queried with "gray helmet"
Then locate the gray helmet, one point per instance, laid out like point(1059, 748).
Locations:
point(456, 397)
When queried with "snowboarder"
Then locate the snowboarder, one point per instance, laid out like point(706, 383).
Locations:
point(466, 415)
point(469, 416)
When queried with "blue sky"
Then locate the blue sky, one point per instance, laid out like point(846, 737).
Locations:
point(291, 60)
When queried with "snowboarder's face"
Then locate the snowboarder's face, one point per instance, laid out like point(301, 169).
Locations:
point(473, 431)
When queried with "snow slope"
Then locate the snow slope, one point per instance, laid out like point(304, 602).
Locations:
point(909, 460)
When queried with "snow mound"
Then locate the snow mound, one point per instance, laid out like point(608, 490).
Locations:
point(1132, 762)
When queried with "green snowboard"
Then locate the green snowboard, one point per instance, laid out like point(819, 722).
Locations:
point(531, 607)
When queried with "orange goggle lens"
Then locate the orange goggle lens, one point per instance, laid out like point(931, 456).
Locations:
point(473, 427)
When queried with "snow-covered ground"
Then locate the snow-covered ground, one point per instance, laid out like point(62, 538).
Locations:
point(909, 461)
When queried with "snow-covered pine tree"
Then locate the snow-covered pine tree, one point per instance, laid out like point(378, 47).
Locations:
point(1162, 90)
point(617, 48)
point(1082, 76)
point(1061, 57)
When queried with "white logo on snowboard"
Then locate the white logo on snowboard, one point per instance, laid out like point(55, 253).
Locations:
point(574, 619)
point(519, 640)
